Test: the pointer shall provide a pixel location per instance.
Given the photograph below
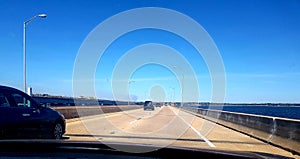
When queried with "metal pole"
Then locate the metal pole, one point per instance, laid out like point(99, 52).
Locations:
point(24, 54)
point(182, 83)
point(24, 44)
point(172, 95)
point(129, 90)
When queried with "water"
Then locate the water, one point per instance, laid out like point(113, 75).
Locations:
point(291, 112)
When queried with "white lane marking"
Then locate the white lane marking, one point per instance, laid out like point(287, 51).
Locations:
point(196, 131)
point(134, 121)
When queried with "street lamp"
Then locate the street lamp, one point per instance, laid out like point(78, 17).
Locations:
point(24, 43)
point(182, 85)
point(128, 89)
point(145, 95)
point(172, 96)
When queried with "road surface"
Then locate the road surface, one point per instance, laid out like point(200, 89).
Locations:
point(165, 126)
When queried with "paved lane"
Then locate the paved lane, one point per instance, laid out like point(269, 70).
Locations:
point(164, 126)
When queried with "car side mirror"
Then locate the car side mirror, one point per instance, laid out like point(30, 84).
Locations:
point(42, 105)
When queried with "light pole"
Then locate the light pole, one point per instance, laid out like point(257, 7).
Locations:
point(128, 89)
point(24, 43)
point(182, 85)
point(145, 95)
point(172, 96)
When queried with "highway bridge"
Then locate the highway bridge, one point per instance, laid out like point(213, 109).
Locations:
point(173, 126)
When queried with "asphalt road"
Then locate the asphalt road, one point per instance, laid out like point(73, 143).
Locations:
point(165, 126)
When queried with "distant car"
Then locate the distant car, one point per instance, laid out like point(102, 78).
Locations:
point(157, 105)
point(148, 105)
point(22, 117)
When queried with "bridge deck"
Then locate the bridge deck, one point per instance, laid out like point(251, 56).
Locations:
point(165, 126)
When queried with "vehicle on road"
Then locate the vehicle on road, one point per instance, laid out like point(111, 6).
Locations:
point(148, 105)
point(157, 105)
point(22, 117)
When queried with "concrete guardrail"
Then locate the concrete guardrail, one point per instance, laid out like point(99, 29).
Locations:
point(281, 132)
point(76, 111)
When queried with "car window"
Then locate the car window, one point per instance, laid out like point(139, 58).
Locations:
point(3, 101)
point(22, 101)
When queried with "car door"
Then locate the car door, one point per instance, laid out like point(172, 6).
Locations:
point(28, 118)
point(6, 115)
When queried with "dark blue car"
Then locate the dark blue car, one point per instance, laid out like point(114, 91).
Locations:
point(22, 117)
point(148, 105)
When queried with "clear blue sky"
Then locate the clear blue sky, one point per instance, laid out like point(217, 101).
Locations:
point(259, 42)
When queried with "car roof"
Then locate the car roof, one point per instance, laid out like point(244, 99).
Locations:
point(7, 88)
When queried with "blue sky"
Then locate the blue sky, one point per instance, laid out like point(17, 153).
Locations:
point(259, 42)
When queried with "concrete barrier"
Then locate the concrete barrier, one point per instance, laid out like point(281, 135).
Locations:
point(76, 111)
point(281, 132)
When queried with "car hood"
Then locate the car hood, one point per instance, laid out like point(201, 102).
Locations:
point(98, 147)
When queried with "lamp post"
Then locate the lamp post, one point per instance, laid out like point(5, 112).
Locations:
point(172, 95)
point(128, 89)
point(145, 95)
point(24, 43)
point(182, 85)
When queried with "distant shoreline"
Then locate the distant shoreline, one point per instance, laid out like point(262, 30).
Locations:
point(284, 111)
point(249, 104)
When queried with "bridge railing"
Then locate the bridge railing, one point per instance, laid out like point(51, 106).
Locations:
point(281, 132)
point(80, 111)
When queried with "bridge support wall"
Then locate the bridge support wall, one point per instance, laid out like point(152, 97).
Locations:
point(281, 132)
point(80, 111)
